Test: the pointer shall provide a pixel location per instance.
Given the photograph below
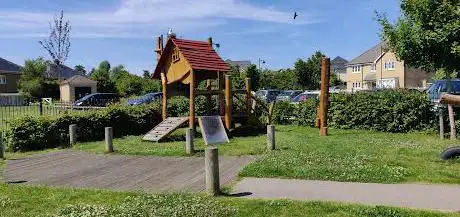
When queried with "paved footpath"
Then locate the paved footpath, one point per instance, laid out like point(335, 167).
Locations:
point(419, 196)
point(70, 168)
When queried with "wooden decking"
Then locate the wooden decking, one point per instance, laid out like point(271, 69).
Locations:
point(132, 173)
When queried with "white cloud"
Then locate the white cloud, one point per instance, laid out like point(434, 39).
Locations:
point(140, 18)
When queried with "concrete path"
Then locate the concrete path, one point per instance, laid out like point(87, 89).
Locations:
point(152, 174)
point(419, 196)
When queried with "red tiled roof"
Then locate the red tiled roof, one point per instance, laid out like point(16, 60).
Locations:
point(200, 55)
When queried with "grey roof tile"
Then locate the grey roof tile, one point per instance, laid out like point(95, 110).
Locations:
point(8, 66)
point(370, 55)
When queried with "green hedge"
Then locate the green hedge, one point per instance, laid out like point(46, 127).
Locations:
point(388, 111)
point(37, 133)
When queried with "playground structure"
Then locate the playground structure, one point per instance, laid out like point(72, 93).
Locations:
point(181, 66)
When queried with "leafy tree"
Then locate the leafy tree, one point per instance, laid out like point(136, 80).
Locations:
point(252, 72)
point(427, 35)
point(308, 72)
point(283, 79)
point(146, 74)
point(80, 69)
point(33, 83)
point(151, 86)
point(118, 72)
point(58, 42)
point(128, 85)
point(102, 76)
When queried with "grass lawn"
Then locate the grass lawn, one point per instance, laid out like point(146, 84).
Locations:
point(36, 201)
point(345, 155)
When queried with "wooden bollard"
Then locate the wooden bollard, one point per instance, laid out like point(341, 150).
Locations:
point(108, 139)
point(270, 137)
point(189, 148)
point(441, 124)
point(212, 171)
point(453, 131)
point(2, 149)
point(73, 134)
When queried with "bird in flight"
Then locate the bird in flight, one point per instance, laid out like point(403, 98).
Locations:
point(295, 15)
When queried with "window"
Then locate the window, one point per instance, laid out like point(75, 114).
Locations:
point(373, 68)
point(175, 55)
point(2, 79)
point(356, 69)
point(390, 65)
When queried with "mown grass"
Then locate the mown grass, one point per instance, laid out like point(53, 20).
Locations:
point(33, 201)
point(345, 155)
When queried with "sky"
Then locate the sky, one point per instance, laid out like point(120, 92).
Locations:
point(123, 31)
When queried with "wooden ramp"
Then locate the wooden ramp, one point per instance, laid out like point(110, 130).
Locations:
point(164, 128)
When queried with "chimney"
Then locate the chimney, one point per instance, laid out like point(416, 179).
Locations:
point(159, 47)
point(210, 41)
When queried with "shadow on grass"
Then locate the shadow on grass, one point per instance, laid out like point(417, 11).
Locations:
point(248, 131)
point(241, 194)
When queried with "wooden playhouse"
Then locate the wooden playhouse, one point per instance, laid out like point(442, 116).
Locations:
point(181, 65)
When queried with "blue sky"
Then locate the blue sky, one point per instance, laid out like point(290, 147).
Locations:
point(123, 31)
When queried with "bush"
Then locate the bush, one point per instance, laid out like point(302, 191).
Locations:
point(37, 133)
point(388, 111)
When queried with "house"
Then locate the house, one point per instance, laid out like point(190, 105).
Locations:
point(240, 64)
point(339, 67)
point(378, 67)
point(9, 76)
point(76, 87)
point(61, 73)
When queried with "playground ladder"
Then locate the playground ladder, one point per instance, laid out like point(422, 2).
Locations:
point(164, 128)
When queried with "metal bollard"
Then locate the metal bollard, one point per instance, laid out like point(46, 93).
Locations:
point(212, 171)
point(189, 147)
point(108, 140)
point(73, 134)
point(441, 124)
point(271, 137)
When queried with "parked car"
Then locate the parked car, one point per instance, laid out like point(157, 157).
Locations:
point(98, 100)
point(267, 95)
point(439, 87)
point(146, 99)
point(288, 95)
point(305, 96)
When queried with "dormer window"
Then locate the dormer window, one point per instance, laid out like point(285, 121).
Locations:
point(175, 55)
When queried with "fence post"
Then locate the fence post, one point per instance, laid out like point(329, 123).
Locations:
point(212, 171)
point(189, 148)
point(40, 107)
point(73, 134)
point(2, 155)
point(441, 124)
point(453, 132)
point(108, 140)
point(271, 137)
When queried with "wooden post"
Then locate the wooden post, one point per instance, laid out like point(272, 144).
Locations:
point(73, 134)
point(270, 137)
point(209, 96)
point(164, 84)
point(189, 148)
point(248, 96)
point(453, 131)
point(40, 107)
point(324, 98)
point(441, 124)
point(108, 140)
point(221, 96)
point(191, 120)
point(228, 102)
point(212, 171)
point(2, 148)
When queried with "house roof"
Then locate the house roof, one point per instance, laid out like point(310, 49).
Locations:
point(65, 72)
point(7, 66)
point(339, 60)
point(198, 54)
point(242, 64)
point(370, 55)
point(78, 79)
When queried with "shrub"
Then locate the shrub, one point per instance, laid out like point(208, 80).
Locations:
point(36, 133)
point(388, 110)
